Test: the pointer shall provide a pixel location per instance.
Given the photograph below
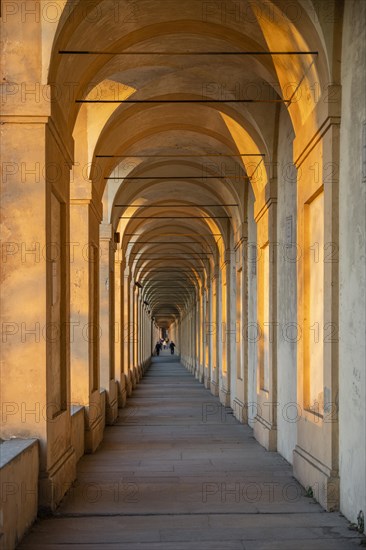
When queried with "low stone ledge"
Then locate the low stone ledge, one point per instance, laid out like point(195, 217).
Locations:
point(19, 465)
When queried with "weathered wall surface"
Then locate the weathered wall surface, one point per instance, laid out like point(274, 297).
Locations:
point(352, 257)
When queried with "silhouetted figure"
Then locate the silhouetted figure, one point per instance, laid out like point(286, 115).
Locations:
point(158, 348)
point(172, 346)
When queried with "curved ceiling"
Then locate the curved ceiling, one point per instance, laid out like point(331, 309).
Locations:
point(173, 136)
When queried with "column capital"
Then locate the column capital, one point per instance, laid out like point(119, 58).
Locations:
point(326, 113)
point(81, 193)
point(26, 102)
point(241, 234)
point(266, 199)
point(227, 258)
point(215, 274)
point(106, 231)
point(118, 261)
point(81, 190)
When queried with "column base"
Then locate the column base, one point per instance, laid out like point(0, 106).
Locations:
point(224, 396)
point(214, 387)
point(111, 412)
point(54, 483)
point(93, 421)
point(94, 434)
point(122, 392)
point(265, 433)
point(137, 375)
point(129, 382)
point(146, 366)
point(134, 377)
point(323, 481)
point(207, 382)
point(198, 372)
point(240, 411)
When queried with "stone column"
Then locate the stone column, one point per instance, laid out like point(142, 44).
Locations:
point(207, 335)
point(126, 329)
point(132, 333)
point(85, 216)
point(197, 326)
point(193, 337)
point(316, 155)
point(202, 328)
point(146, 338)
point(119, 332)
point(140, 334)
point(151, 343)
point(241, 368)
point(232, 329)
point(107, 380)
point(142, 346)
point(35, 299)
point(215, 336)
point(265, 427)
point(225, 331)
point(142, 331)
point(136, 335)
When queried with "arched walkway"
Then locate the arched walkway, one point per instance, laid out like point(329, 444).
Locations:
point(178, 472)
point(193, 171)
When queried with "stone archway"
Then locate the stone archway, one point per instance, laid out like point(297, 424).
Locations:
point(144, 157)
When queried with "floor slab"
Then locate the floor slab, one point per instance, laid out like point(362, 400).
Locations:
point(178, 472)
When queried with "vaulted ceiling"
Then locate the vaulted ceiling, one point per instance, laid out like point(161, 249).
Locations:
point(174, 106)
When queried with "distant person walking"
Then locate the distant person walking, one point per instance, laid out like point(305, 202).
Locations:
point(172, 346)
point(158, 348)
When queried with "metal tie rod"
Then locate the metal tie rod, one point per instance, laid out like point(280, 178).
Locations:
point(176, 53)
point(172, 205)
point(180, 155)
point(183, 101)
point(238, 176)
point(174, 217)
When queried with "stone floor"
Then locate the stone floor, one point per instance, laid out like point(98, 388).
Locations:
point(178, 472)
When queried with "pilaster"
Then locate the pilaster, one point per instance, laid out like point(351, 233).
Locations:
point(35, 353)
point(107, 380)
point(265, 426)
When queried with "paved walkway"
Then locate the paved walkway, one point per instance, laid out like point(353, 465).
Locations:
point(178, 472)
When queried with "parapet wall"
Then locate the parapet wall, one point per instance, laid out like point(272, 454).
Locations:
point(19, 464)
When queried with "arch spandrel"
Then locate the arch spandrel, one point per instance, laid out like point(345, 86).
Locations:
point(303, 78)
